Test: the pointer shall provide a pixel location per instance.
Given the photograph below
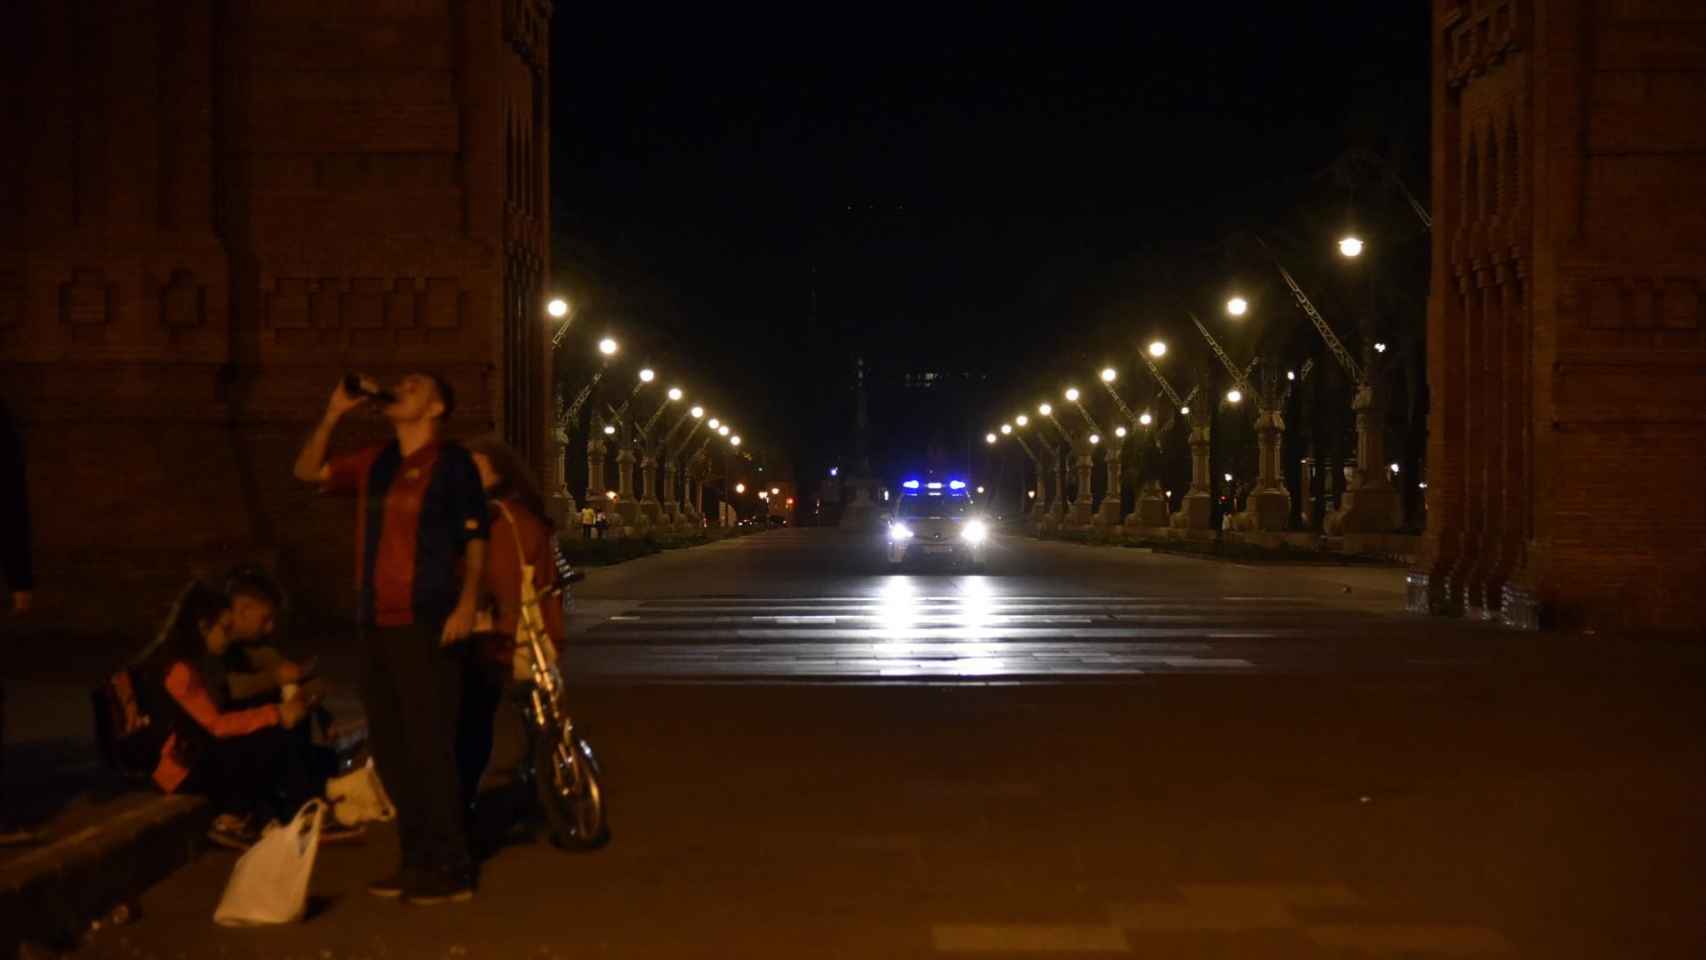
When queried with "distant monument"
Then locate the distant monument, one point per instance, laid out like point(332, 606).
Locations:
point(861, 514)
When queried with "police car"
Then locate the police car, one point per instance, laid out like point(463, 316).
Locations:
point(936, 520)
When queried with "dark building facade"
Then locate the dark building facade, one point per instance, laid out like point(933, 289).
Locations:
point(213, 208)
point(1567, 326)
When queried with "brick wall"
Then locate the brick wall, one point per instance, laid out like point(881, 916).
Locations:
point(1567, 320)
point(216, 209)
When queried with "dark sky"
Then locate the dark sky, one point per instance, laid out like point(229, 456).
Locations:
point(760, 198)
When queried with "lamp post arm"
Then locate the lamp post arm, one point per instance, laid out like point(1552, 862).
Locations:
point(623, 409)
point(1119, 401)
point(1332, 339)
point(573, 412)
point(702, 445)
point(652, 421)
point(1027, 448)
point(1167, 388)
point(677, 426)
point(690, 434)
point(1420, 211)
point(1067, 437)
point(1094, 427)
point(562, 330)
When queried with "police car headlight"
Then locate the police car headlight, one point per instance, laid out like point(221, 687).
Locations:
point(974, 531)
point(899, 531)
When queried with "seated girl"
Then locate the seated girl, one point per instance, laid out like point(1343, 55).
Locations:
point(245, 760)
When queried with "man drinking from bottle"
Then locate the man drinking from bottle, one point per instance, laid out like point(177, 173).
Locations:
point(421, 530)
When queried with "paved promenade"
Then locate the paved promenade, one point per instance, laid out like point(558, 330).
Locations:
point(1087, 752)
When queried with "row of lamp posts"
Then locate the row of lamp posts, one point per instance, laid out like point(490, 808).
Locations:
point(636, 443)
point(1370, 503)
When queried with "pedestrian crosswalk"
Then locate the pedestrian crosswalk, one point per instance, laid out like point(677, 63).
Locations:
point(901, 634)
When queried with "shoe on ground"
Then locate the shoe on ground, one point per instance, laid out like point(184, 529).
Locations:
point(392, 887)
point(440, 887)
point(234, 832)
point(334, 832)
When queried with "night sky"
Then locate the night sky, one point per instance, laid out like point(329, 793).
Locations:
point(995, 199)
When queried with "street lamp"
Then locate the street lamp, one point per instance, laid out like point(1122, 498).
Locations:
point(1291, 374)
point(610, 430)
point(989, 438)
point(1095, 438)
point(1109, 375)
point(723, 430)
point(1186, 409)
point(675, 393)
point(740, 488)
point(735, 439)
point(1044, 409)
point(1379, 347)
point(1157, 349)
point(1119, 432)
point(1021, 420)
point(1234, 395)
point(1145, 418)
point(647, 375)
point(1238, 306)
point(607, 346)
point(775, 491)
point(713, 423)
point(1351, 246)
point(697, 412)
point(1072, 394)
point(1006, 429)
point(558, 308)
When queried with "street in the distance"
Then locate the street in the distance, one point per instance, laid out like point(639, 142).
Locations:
point(1086, 751)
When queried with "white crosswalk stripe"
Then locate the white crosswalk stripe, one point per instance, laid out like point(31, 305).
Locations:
point(898, 635)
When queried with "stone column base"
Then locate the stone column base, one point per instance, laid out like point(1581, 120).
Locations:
point(1078, 515)
point(1367, 510)
point(1267, 510)
point(1109, 514)
point(1197, 513)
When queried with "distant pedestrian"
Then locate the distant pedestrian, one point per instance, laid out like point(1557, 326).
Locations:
point(15, 566)
point(602, 524)
point(589, 522)
point(421, 533)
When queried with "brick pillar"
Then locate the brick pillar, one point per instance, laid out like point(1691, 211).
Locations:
point(671, 506)
point(648, 486)
point(1057, 506)
point(560, 502)
point(1306, 492)
point(596, 484)
point(1197, 511)
point(1151, 507)
point(1084, 459)
point(1269, 505)
point(626, 503)
point(1114, 498)
point(1370, 503)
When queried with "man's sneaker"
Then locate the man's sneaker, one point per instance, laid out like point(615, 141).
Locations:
point(234, 832)
point(440, 886)
point(393, 886)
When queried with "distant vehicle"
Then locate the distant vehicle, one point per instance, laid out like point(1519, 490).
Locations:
point(778, 521)
point(936, 520)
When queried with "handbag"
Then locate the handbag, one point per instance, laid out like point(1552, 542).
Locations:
point(269, 884)
point(359, 797)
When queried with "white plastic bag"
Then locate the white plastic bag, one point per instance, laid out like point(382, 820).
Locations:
point(270, 882)
point(359, 797)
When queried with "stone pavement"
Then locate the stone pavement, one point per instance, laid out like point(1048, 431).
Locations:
point(1222, 761)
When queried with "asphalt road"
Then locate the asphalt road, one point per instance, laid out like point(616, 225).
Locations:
point(1086, 752)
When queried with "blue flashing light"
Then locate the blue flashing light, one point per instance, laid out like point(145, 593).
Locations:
point(910, 484)
point(956, 484)
point(934, 486)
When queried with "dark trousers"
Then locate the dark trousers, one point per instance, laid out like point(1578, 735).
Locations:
point(412, 688)
point(270, 773)
point(483, 685)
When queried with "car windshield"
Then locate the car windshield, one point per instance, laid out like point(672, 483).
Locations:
point(933, 505)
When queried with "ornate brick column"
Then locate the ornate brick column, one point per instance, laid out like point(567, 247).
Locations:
point(596, 484)
point(671, 505)
point(1151, 508)
point(649, 507)
point(1371, 504)
point(1197, 511)
point(1269, 505)
point(626, 503)
point(1085, 459)
point(560, 503)
point(1114, 498)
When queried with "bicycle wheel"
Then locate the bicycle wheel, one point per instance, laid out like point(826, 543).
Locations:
point(570, 795)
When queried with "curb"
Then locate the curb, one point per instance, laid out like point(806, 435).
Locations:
point(49, 896)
